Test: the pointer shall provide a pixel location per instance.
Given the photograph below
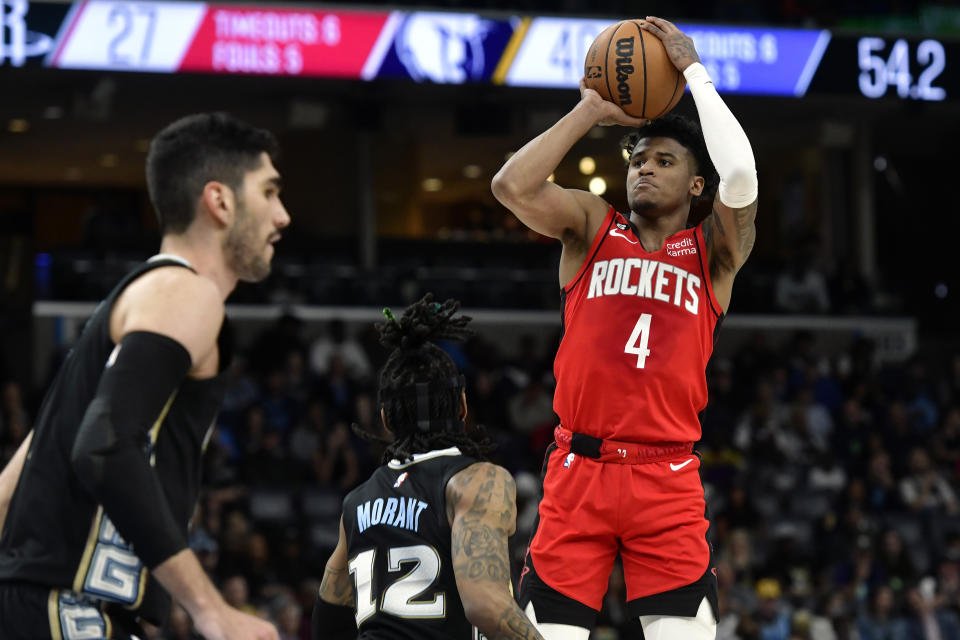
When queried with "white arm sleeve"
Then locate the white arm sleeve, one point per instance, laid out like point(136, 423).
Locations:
point(727, 144)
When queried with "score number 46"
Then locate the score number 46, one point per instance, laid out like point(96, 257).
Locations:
point(877, 74)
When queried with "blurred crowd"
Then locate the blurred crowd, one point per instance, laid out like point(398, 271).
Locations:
point(831, 479)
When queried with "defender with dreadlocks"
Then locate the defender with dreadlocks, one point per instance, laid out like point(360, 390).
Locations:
point(423, 543)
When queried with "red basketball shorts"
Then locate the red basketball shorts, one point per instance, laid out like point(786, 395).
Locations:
point(652, 513)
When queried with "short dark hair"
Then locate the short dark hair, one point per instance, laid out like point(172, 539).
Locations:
point(687, 132)
point(195, 150)
point(415, 359)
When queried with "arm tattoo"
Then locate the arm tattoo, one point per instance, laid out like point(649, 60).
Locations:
point(513, 625)
point(337, 587)
point(727, 252)
point(746, 229)
point(486, 516)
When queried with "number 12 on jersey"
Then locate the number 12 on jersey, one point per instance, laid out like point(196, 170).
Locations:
point(637, 344)
point(399, 597)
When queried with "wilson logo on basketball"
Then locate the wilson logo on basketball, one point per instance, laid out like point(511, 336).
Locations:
point(624, 68)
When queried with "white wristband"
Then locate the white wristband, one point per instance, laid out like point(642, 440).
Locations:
point(727, 144)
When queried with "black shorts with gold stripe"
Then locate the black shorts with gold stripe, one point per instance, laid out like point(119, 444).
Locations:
point(34, 612)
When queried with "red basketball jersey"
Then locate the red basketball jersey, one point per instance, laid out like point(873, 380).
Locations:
point(638, 330)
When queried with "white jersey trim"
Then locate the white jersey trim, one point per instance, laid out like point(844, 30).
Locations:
point(420, 457)
point(170, 256)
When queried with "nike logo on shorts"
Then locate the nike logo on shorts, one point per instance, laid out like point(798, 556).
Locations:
point(677, 467)
point(616, 233)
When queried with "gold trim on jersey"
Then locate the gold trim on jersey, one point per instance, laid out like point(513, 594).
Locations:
point(92, 538)
point(94, 535)
point(53, 614)
point(154, 436)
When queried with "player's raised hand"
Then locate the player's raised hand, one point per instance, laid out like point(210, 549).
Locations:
point(608, 113)
point(227, 623)
point(679, 45)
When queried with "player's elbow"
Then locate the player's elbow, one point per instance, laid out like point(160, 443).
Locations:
point(508, 189)
point(484, 607)
point(740, 187)
point(482, 616)
point(503, 187)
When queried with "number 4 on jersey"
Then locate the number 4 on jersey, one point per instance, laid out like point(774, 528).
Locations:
point(637, 344)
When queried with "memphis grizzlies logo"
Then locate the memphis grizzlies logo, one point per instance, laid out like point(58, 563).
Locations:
point(443, 47)
point(17, 42)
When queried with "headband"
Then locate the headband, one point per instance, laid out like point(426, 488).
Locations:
point(421, 393)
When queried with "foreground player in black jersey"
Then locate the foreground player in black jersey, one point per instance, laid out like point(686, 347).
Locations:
point(101, 493)
point(423, 543)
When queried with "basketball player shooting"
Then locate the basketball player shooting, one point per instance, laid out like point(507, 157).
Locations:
point(101, 493)
point(643, 297)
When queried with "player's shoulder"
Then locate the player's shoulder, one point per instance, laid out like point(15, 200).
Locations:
point(175, 302)
point(176, 291)
point(594, 205)
point(477, 478)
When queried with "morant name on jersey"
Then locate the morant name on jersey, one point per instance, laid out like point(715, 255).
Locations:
point(395, 512)
point(646, 279)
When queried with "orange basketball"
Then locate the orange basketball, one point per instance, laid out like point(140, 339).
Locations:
point(630, 67)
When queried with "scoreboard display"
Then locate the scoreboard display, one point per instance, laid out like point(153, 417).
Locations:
point(452, 48)
point(884, 66)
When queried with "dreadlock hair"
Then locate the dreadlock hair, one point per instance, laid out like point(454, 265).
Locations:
point(688, 133)
point(415, 359)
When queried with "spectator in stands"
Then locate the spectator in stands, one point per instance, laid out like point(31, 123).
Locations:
point(271, 348)
point(893, 565)
point(288, 618)
point(773, 614)
point(925, 489)
point(335, 461)
point(880, 620)
point(308, 437)
point(180, 627)
point(267, 465)
point(946, 441)
point(802, 288)
point(882, 491)
point(337, 341)
point(236, 592)
point(531, 413)
point(338, 390)
point(281, 410)
point(931, 620)
point(826, 474)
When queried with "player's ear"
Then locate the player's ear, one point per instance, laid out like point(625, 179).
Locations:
point(696, 185)
point(463, 405)
point(218, 201)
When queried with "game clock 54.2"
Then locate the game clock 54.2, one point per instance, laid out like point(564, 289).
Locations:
point(879, 66)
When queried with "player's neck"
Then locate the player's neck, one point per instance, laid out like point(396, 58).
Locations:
point(205, 256)
point(653, 230)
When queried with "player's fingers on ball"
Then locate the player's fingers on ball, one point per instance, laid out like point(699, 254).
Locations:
point(652, 28)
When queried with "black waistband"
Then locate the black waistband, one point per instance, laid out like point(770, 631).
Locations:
point(584, 445)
